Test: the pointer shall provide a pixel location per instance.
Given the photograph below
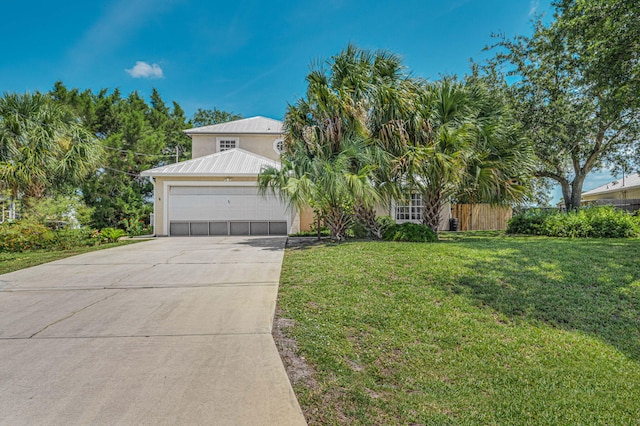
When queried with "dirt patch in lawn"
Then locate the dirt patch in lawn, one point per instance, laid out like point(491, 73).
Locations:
point(298, 370)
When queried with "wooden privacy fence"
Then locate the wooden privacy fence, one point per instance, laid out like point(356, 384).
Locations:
point(481, 217)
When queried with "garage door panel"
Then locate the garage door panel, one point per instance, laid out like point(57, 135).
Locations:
point(214, 210)
point(218, 228)
point(259, 228)
point(214, 207)
point(179, 229)
point(277, 228)
point(239, 228)
point(199, 228)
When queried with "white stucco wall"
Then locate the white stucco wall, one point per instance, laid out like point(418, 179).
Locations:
point(202, 145)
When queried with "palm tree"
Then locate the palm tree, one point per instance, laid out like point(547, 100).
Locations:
point(450, 139)
point(502, 160)
point(328, 155)
point(42, 145)
point(427, 129)
point(326, 181)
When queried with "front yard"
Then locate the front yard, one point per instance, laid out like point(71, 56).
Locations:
point(479, 329)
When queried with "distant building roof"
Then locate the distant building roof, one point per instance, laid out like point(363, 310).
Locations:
point(630, 181)
point(253, 125)
point(233, 162)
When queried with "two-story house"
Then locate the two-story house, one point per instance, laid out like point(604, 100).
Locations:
point(216, 192)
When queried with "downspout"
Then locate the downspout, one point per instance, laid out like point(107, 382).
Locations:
point(153, 182)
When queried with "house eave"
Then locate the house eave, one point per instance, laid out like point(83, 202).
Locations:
point(190, 175)
point(609, 191)
point(190, 132)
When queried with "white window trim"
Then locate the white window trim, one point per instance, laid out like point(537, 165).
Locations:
point(414, 210)
point(227, 138)
point(275, 145)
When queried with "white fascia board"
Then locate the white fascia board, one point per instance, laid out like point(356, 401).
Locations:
point(194, 175)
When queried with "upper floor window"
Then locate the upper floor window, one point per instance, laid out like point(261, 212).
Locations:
point(278, 146)
point(225, 144)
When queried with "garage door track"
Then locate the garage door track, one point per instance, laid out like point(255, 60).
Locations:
point(169, 331)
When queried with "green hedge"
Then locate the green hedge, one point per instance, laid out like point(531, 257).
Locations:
point(24, 235)
point(410, 232)
point(589, 222)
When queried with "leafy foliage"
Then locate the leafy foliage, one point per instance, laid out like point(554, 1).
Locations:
point(575, 89)
point(112, 235)
point(385, 222)
point(67, 211)
point(135, 227)
point(367, 132)
point(329, 162)
point(410, 232)
point(136, 136)
point(592, 222)
point(206, 117)
point(529, 222)
point(43, 147)
point(25, 235)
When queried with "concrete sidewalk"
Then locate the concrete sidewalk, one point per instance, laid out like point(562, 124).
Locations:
point(170, 331)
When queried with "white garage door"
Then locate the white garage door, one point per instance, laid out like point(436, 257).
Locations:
point(217, 210)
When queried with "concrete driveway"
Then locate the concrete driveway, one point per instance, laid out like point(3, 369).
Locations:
point(170, 331)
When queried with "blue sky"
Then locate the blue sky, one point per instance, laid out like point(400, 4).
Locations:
point(248, 57)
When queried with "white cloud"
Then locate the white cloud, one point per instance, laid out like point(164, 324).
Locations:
point(533, 7)
point(143, 70)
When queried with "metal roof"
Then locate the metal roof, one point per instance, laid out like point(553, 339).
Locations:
point(253, 125)
point(233, 162)
point(630, 181)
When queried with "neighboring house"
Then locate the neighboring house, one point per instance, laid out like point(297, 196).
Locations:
point(216, 193)
point(621, 192)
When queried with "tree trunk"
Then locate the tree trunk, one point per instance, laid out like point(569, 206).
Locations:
point(319, 224)
point(566, 194)
point(572, 192)
point(338, 221)
point(367, 217)
point(432, 201)
point(576, 191)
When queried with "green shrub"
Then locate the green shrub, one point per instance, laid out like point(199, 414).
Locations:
point(530, 222)
point(608, 222)
point(25, 235)
point(359, 230)
point(59, 211)
point(385, 223)
point(573, 225)
point(112, 235)
point(410, 232)
point(590, 222)
point(66, 239)
point(135, 226)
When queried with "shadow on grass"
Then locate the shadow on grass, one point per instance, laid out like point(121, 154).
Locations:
point(592, 286)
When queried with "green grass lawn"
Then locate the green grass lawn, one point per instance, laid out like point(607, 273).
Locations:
point(478, 329)
point(10, 262)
